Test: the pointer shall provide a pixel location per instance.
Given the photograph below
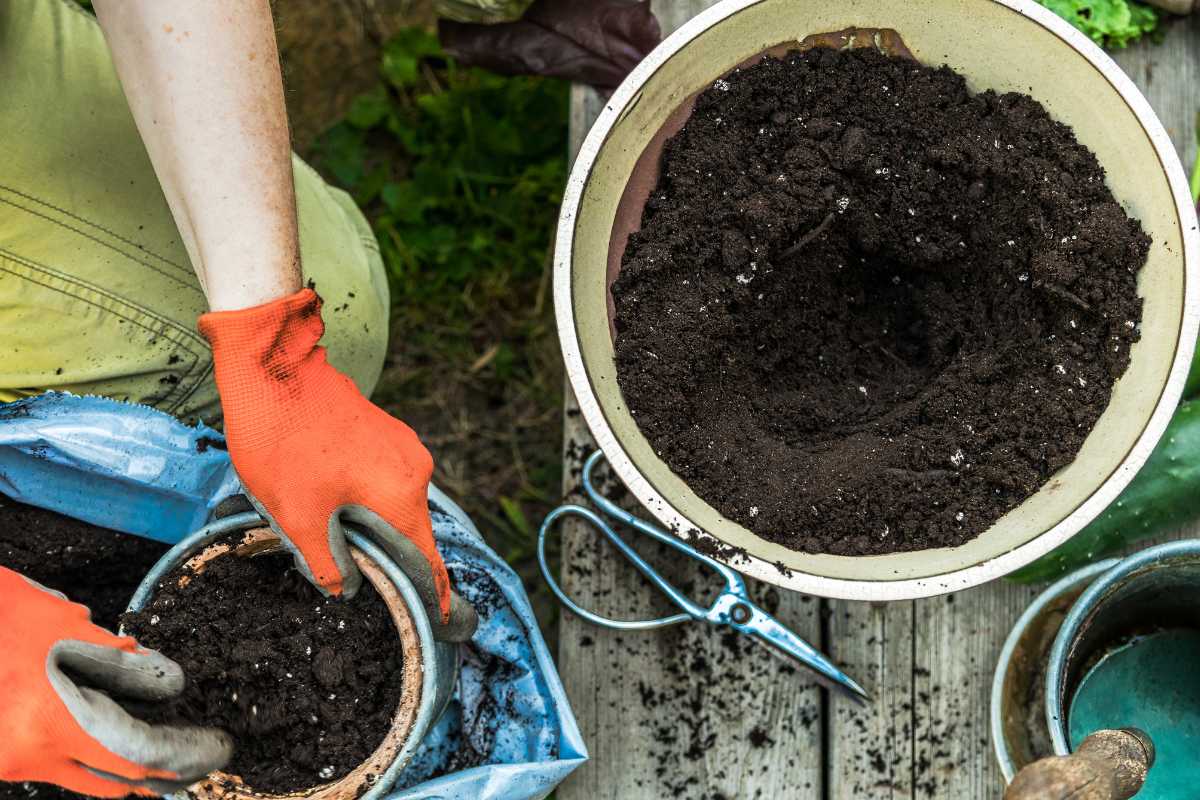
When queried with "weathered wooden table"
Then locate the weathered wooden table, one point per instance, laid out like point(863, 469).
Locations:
point(691, 712)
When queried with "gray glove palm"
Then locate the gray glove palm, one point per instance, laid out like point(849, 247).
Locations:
point(409, 558)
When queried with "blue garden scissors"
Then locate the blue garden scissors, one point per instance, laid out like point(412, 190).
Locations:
point(732, 607)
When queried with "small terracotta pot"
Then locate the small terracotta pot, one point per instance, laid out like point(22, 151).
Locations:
point(430, 668)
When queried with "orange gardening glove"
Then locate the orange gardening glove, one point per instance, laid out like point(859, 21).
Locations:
point(60, 728)
point(316, 456)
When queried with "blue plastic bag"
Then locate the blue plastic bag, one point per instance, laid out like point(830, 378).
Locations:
point(508, 733)
point(116, 465)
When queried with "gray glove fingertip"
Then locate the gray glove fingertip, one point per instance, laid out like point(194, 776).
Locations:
point(158, 786)
point(145, 674)
point(409, 558)
point(351, 577)
point(462, 624)
point(234, 504)
point(44, 588)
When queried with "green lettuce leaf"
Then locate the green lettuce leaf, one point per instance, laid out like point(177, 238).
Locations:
point(1109, 23)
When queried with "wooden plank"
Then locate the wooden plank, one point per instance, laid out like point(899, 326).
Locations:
point(928, 665)
point(686, 712)
point(931, 662)
point(1169, 76)
point(870, 753)
point(956, 642)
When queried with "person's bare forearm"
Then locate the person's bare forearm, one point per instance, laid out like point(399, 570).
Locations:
point(204, 85)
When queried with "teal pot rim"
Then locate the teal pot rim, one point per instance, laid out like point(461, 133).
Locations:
point(1056, 677)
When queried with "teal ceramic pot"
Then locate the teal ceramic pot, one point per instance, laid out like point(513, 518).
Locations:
point(1127, 654)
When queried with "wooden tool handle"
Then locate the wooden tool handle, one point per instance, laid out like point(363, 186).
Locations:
point(1109, 765)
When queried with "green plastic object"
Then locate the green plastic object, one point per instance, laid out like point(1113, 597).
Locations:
point(1193, 380)
point(1163, 495)
point(1150, 683)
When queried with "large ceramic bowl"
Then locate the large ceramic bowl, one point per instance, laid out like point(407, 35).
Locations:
point(1006, 45)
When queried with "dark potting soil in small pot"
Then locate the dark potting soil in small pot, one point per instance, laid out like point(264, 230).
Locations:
point(868, 310)
point(94, 566)
point(306, 685)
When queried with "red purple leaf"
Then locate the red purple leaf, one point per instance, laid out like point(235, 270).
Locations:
point(590, 41)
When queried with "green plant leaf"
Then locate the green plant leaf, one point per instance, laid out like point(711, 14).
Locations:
point(516, 516)
point(342, 152)
point(1111, 23)
point(405, 201)
point(460, 173)
point(403, 53)
point(369, 109)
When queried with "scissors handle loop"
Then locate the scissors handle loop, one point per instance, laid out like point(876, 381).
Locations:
point(734, 585)
point(733, 581)
point(595, 520)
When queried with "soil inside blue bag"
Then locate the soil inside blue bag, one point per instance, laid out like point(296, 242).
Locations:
point(96, 567)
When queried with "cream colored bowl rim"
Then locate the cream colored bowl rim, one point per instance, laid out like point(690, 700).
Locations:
point(875, 590)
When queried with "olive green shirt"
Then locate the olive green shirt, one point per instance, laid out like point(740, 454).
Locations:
point(97, 295)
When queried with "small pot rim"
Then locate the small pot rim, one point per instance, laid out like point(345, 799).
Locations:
point(417, 724)
point(1063, 585)
point(1056, 678)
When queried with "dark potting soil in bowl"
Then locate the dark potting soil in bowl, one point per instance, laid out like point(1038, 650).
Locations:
point(868, 310)
point(97, 567)
point(306, 685)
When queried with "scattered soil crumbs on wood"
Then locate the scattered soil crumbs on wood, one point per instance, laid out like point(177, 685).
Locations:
point(868, 310)
point(94, 566)
point(711, 696)
point(36, 791)
point(306, 685)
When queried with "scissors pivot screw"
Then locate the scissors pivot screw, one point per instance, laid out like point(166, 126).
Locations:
point(740, 614)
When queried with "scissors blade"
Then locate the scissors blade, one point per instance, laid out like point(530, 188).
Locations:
point(767, 630)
